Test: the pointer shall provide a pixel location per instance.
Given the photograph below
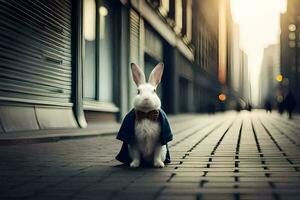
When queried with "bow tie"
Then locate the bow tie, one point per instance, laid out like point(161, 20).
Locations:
point(152, 115)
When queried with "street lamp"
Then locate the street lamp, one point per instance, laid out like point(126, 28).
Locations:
point(292, 27)
point(279, 78)
point(294, 43)
point(292, 35)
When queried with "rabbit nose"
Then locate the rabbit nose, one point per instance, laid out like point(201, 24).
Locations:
point(146, 99)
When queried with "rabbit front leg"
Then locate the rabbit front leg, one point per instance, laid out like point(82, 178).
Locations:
point(135, 156)
point(158, 156)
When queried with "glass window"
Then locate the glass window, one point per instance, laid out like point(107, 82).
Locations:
point(89, 49)
point(189, 20)
point(97, 51)
point(178, 16)
point(105, 53)
point(164, 7)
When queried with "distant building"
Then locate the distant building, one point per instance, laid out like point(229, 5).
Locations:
point(289, 50)
point(239, 80)
point(226, 45)
point(237, 75)
point(206, 46)
point(245, 88)
point(235, 70)
point(269, 71)
point(225, 23)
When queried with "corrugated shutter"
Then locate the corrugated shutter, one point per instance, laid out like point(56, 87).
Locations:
point(153, 45)
point(134, 36)
point(35, 50)
point(134, 40)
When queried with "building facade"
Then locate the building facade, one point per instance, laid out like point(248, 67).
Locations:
point(65, 63)
point(289, 50)
point(269, 71)
point(206, 46)
point(245, 89)
point(229, 55)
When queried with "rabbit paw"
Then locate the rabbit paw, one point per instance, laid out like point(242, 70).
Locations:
point(135, 164)
point(159, 164)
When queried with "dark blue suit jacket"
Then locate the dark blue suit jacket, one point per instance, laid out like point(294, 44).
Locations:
point(126, 134)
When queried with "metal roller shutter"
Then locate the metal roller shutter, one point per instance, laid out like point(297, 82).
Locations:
point(134, 41)
point(35, 51)
point(134, 36)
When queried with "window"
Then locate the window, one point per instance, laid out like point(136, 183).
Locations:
point(105, 54)
point(164, 7)
point(97, 51)
point(89, 49)
point(187, 20)
point(178, 16)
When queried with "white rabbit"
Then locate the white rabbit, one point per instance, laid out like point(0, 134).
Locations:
point(147, 132)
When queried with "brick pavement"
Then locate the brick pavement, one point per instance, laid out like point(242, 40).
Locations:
point(224, 156)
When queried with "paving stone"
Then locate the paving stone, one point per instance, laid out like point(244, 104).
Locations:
point(177, 197)
point(262, 161)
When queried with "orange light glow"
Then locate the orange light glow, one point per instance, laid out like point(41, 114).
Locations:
point(222, 97)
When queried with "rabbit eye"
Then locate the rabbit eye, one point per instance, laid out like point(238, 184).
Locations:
point(138, 91)
point(154, 90)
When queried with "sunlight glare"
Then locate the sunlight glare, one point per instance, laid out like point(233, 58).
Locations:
point(259, 22)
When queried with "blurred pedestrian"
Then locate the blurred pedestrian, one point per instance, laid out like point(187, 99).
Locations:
point(280, 106)
point(290, 103)
point(211, 108)
point(238, 107)
point(268, 106)
point(249, 107)
point(222, 106)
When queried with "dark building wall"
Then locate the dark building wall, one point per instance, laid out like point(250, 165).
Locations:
point(162, 27)
point(206, 91)
point(48, 86)
point(205, 35)
point(206, 48)
point(169, 103)
point(184, 91)
point(290, 50)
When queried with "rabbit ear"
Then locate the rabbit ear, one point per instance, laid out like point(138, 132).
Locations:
point(137, 74)
point(156, 74)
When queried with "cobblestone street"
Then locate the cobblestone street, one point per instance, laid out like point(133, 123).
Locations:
point(223, 156)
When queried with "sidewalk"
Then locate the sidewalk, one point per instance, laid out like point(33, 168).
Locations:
point(93, 130)
point(25, 137)
point(223, 156)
